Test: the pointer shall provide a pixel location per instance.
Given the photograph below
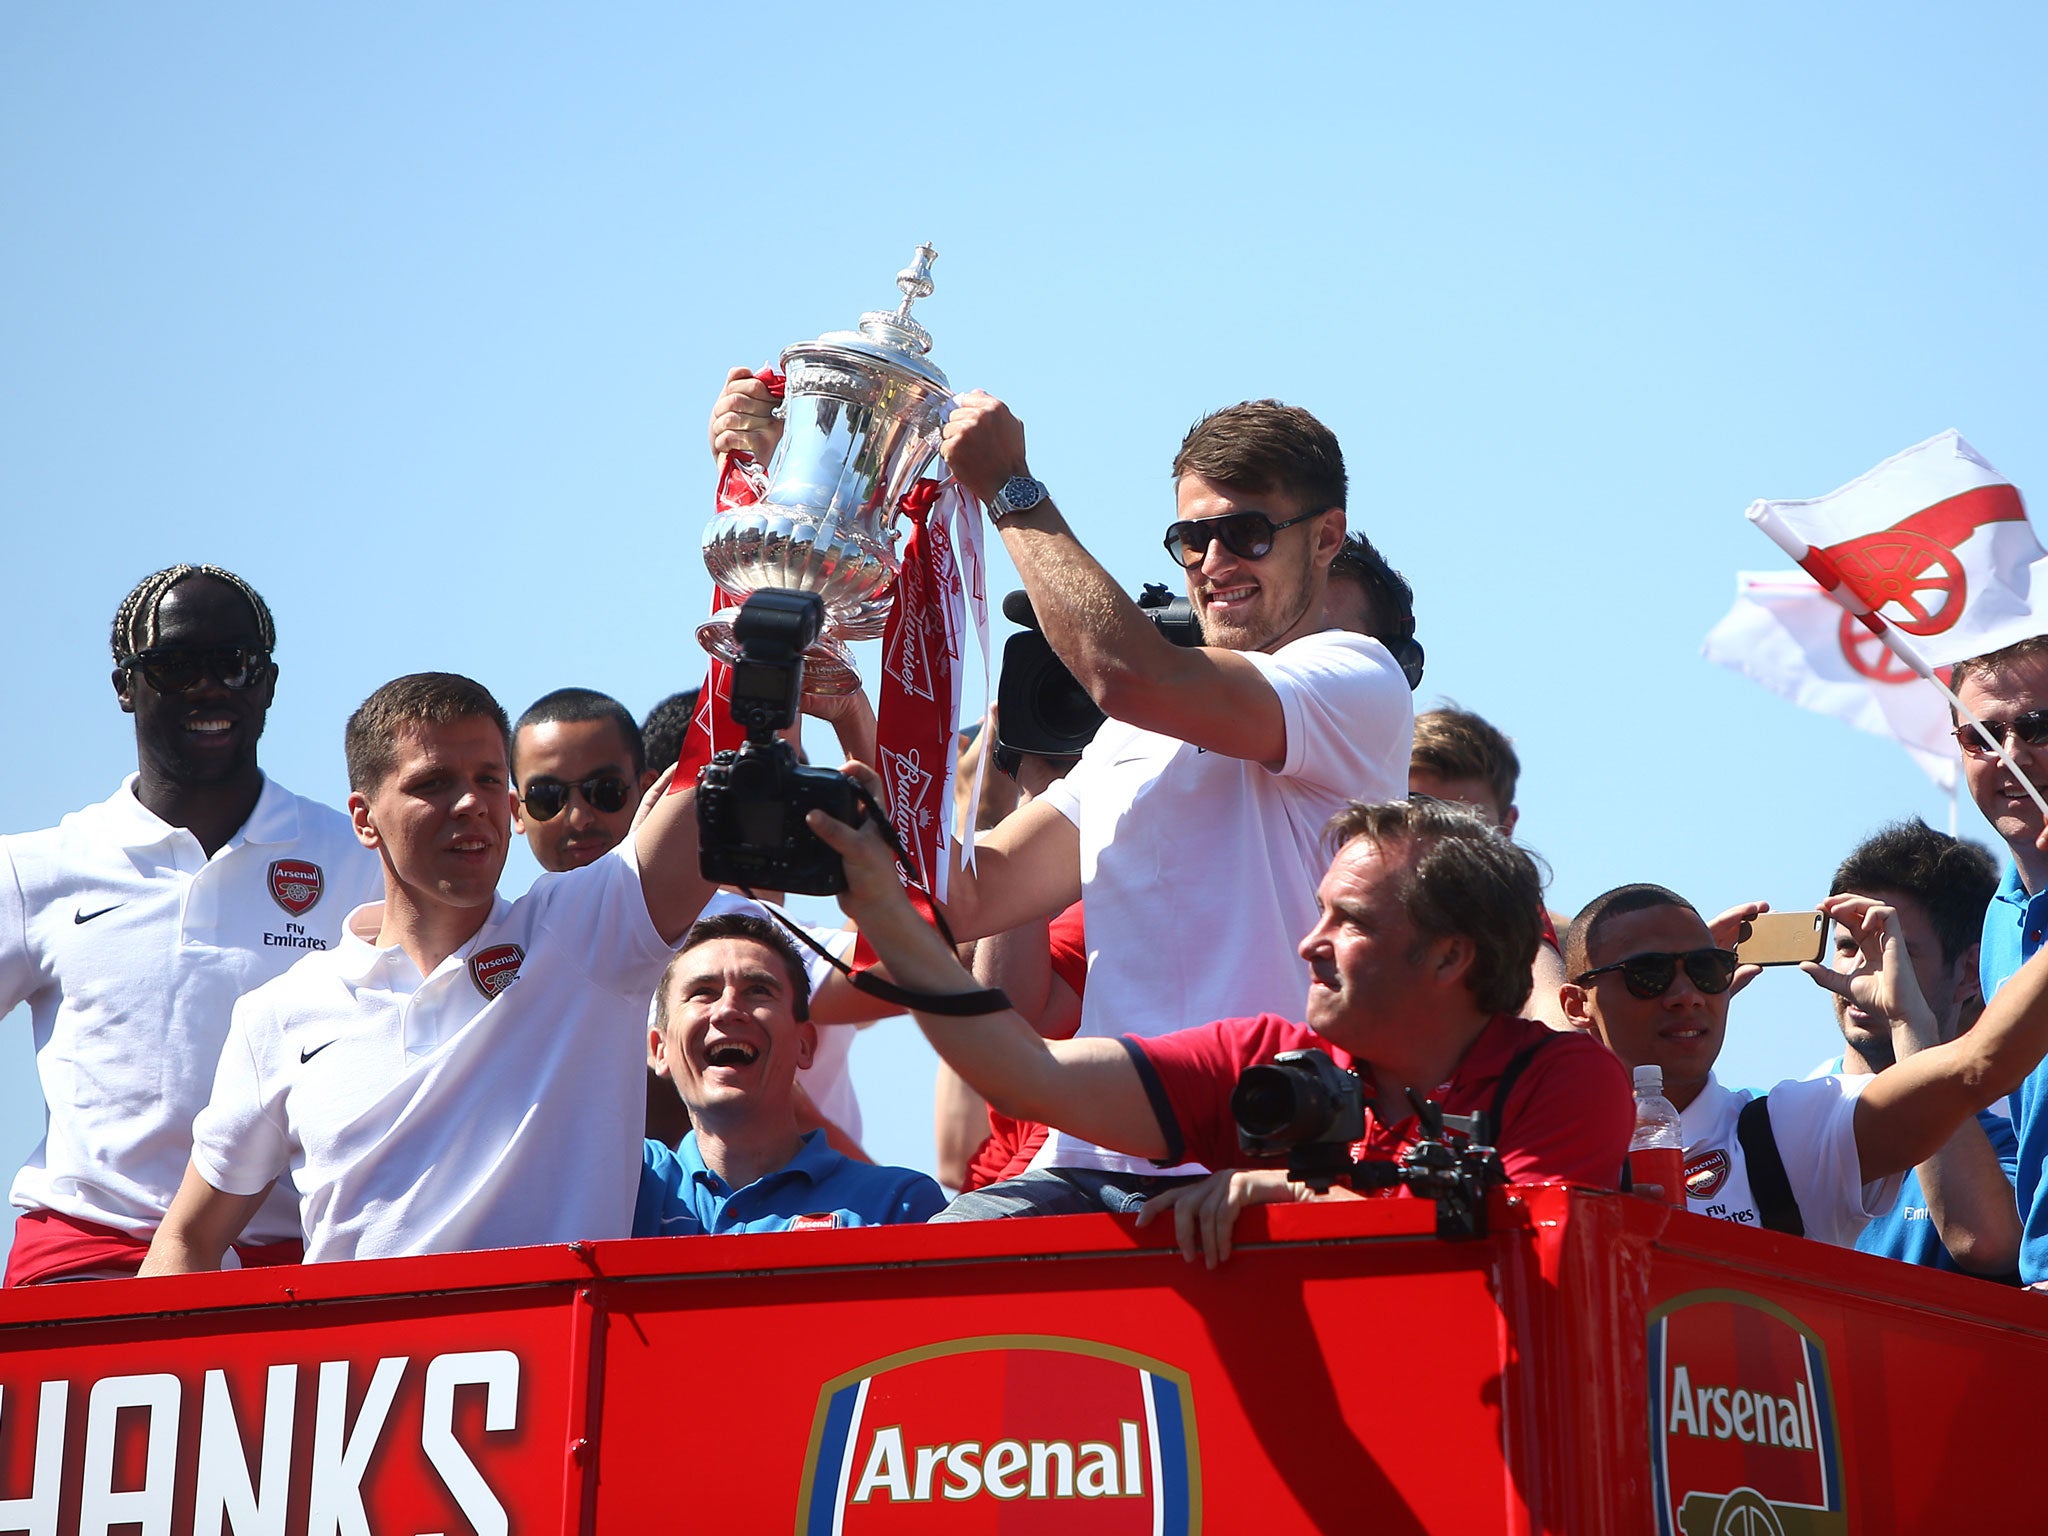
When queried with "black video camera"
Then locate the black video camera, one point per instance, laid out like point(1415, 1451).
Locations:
point(1041, 709)
point(751, 803)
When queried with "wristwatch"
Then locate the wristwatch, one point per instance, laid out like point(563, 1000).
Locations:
point(1019, 493)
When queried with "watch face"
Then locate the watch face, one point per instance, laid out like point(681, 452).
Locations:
point(1020, 493)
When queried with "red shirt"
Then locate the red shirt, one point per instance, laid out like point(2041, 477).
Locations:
point(1567, 1118)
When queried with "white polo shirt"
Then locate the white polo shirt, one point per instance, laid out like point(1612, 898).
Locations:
point(130, 947)
point(493, 1104)
point(1199, 870)
point(1813, 1121)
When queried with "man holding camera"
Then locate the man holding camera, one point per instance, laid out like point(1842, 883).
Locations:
point(1219, 764)
point(1417, 964)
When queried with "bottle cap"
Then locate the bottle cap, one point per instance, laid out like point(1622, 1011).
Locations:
point(1651, 1078)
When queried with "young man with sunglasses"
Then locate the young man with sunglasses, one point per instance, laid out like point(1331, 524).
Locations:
point(579, 767)
point(131, 928)
point(1819, 1157)
point(1197, 811)
point(2008, 691)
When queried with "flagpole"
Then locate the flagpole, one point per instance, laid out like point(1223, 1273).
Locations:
point(1817, 565)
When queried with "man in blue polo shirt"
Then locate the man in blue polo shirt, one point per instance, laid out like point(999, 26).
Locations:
point(2008, 691)
point(731, 1029)
point(1924, 893)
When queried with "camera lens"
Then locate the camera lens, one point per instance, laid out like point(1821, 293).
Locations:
point(1267, 1101)
point(1063, 708)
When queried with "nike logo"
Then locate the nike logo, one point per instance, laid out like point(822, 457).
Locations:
point(83, 916)
point(306, 1055)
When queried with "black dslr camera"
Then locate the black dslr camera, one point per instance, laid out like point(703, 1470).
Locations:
point(1041, 709)
point(751, 803)
point(1304, 1106)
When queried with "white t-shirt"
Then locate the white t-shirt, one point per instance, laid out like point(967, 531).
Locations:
point(1813, 1120)
point(130, 946)
point(1199, 870)
point(496, 1103)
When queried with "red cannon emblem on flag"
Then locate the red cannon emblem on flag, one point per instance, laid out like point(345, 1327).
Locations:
point(1743, 1434)
point(1013, 1434)
point(1909, 573)
point(295, 885)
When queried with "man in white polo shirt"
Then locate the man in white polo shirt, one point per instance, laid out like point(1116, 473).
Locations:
point(131, 927)
point(462, 1071)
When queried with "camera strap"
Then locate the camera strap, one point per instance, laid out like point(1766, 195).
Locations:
point(952, 1005)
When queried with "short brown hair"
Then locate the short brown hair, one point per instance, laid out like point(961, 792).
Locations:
point(755, 930)
point(419, 698)
point(1992, 662)
point(1454, 743)
point(1466, 880)
point(1262, 446)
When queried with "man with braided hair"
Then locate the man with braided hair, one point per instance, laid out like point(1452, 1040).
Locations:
point(131, 927)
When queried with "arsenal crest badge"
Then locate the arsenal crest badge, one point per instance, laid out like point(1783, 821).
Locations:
point(496, 968)
point(1705, 1174)
point(295, 885)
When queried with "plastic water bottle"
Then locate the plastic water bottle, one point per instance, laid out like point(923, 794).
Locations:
point(1656, 1152)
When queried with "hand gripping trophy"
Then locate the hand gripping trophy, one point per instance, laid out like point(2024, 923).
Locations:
point(862, 411)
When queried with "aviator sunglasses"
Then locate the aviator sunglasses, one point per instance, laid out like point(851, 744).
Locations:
point(1247, 535)
point(180, 669)
point(2030, 727)
point(1651, 975)
point(606, 793)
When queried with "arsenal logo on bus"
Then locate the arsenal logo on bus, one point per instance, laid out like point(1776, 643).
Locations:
point(1742, 1421)
point(295, 885)
point(496, 968)
point(1013, 1434)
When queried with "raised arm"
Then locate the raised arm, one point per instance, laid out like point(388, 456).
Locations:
point(1969, 1198)
point(1910, 1110)
point(1215, 699)
point(665, 843)
point(201, 1225)
point(1086, 1087)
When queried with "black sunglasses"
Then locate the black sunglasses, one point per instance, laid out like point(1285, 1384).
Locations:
point(1247, 535)
point(546, 798)
point(2030, 727)
point(180, 669)
point(1651, 975)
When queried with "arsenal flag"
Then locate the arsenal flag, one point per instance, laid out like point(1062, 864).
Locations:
point(1934, 540)
point(1787, 634)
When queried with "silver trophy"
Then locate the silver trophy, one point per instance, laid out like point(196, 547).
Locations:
point(861, 411)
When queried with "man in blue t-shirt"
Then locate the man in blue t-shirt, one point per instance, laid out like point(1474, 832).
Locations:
point(731, 1028)
point(1956, 1211)
point(2008, 690)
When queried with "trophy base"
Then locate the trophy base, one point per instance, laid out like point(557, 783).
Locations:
point(828, 665)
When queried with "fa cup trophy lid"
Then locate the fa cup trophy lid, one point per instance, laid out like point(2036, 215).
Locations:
point(888, 337)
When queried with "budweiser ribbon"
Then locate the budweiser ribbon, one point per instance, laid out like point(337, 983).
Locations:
point(741, 483)
point(916, 743)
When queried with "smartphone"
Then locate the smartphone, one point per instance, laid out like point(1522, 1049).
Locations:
point(1782, 938)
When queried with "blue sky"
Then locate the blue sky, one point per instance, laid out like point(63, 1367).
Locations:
point(413, 317)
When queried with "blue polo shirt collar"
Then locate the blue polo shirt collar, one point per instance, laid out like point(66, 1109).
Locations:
point(814, 1159)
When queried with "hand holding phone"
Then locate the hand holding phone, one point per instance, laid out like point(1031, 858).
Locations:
point(1782, 938)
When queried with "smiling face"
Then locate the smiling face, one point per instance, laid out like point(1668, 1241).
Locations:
point(1258, 605)
point(1996, 697)
point(441, 818)
point(1680, 1031)
point(569, 752)
point(730, 1039)
point(207, 734)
